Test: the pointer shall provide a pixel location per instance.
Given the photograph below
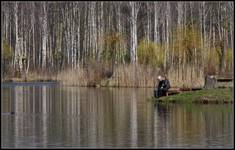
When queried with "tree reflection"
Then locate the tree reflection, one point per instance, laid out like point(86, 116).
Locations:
point(108, 117)
point(133, 120)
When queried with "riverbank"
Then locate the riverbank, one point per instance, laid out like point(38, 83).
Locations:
point(205, 96)
point(32, 76)
point(103, 75)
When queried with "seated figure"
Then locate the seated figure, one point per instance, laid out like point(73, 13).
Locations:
point(162, 87)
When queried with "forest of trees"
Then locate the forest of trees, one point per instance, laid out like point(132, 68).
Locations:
point(167, 35)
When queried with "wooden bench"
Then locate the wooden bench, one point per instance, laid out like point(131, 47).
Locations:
point(214, 81)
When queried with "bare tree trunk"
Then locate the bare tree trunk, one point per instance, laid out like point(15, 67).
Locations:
point(134, 12)
point(6, 24)
point(93, 31)
point(203, 31)
point(78, 52)
point(213, 35)
point(119, 44)
point(193, 30)
point(73, 42)
point(68, 35)
point(179, 22)
point(33, 32)
point(204, 22)
point(101, 29)
point(232, 30)
point(167, 35)
point(16, 63)
point(44, 36)
point(119, 30)
point(148, 33)
point(2, 35)
point(156, 15)
point(184, 72)
point(18, 45)
point(28, 57)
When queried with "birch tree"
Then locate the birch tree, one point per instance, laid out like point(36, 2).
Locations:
point(134, 7)
point(167, 34)
point(18, 43)
point(44, 36)
point(148, 33)
point(156, 18)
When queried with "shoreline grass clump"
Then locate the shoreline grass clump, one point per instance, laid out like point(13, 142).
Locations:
point(205, 96)
point(107, 75)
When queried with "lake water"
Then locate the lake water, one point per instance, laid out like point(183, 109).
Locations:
point(51, 115)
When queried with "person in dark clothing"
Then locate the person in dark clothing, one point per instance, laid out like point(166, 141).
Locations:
point(162, 88)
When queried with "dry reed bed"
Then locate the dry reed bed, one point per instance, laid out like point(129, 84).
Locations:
point(132, 76)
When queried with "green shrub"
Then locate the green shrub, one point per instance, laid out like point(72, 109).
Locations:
point(186, 41)
point(6, 50)
point(229, 58)
point(6, 53)
point(149, 53)
point(113, 50)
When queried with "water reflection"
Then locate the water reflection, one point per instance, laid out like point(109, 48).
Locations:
point(195, 126)
point(58, 116)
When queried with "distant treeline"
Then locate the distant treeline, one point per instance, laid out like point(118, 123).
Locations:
point(55, 36)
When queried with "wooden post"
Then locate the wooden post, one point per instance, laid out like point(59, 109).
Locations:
point(210, 82)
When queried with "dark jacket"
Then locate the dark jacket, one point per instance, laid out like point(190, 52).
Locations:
point(162, 88)
point(164, 85)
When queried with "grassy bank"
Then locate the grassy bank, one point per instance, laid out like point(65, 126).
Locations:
point(217, 95)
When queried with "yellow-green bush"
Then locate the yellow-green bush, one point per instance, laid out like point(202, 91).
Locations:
point(212, 61)
point(6, 53)
point(6, 50)
point(229, 58)
point(112, 47)
point(57, 55)
point(186, 44)
point(149, 53)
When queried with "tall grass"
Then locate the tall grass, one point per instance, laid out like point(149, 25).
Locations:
point(134, 76)
point(187, 77)
point(122, 76)
point(73, 77)
point(131, 76)
point(128, 75)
